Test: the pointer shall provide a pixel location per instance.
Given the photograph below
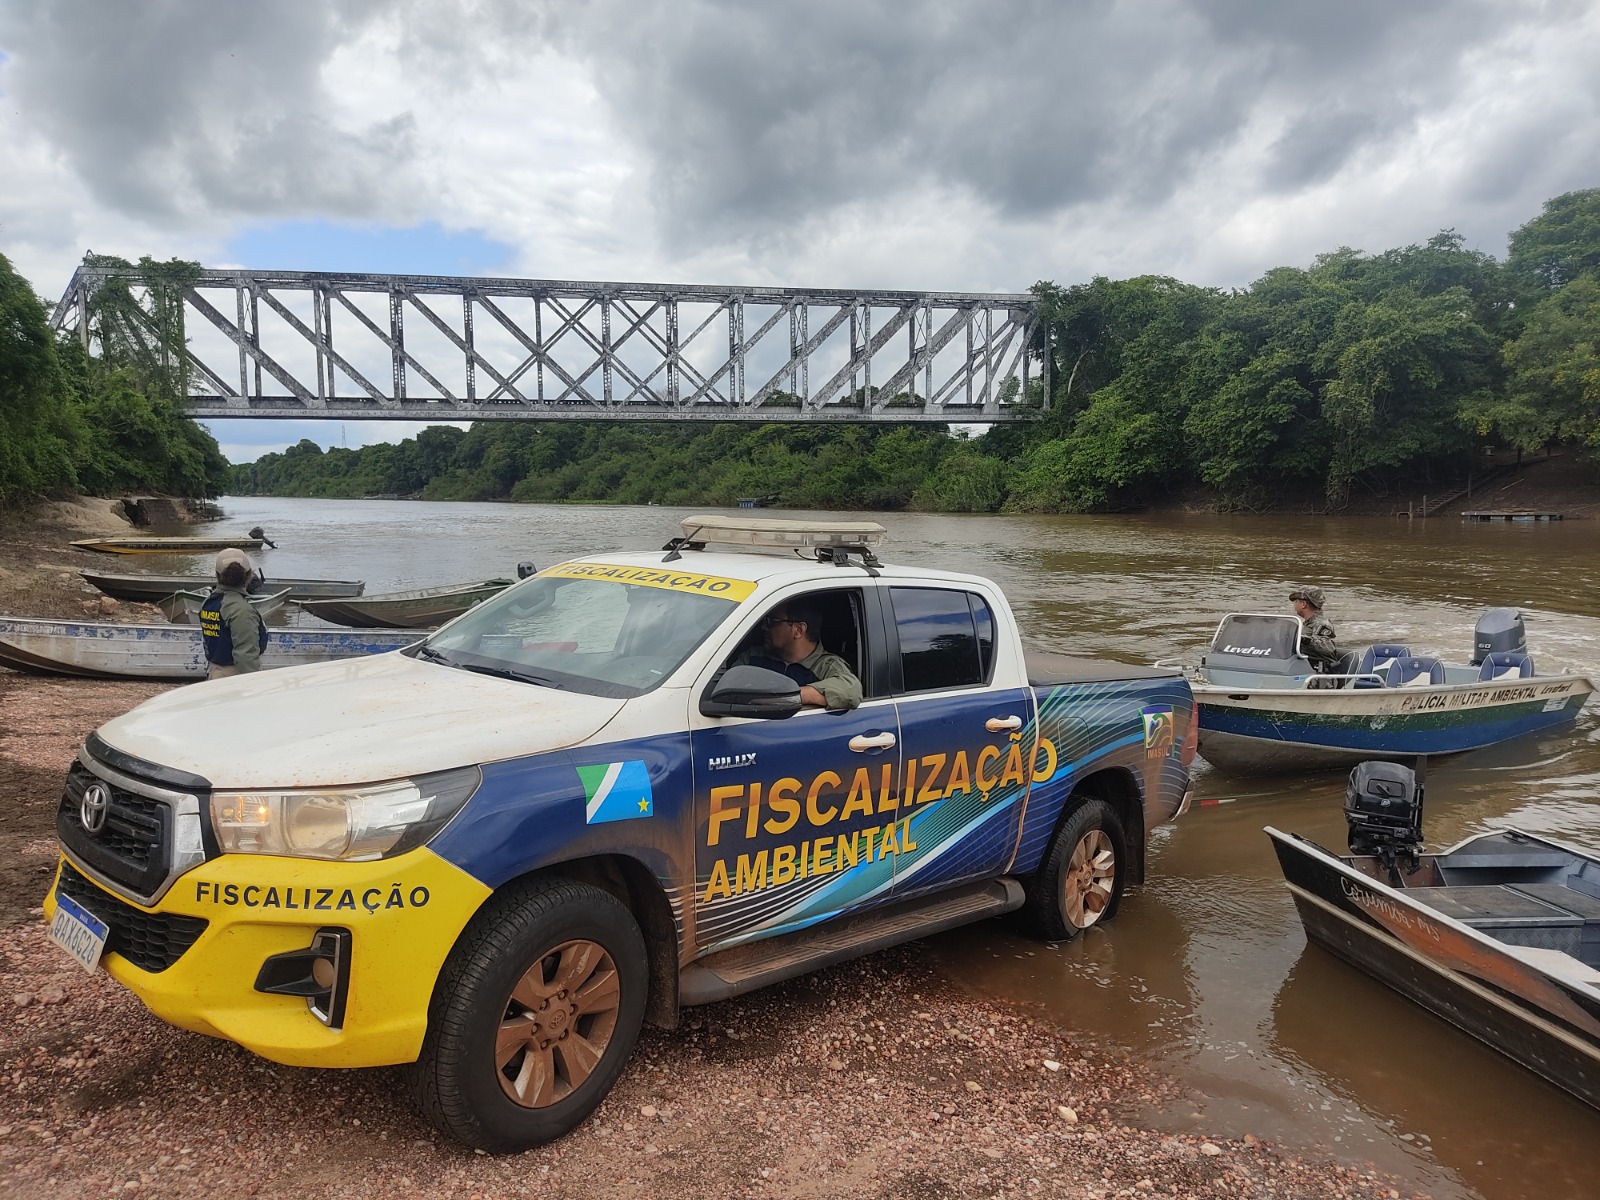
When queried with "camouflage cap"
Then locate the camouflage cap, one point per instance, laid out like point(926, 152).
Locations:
point(1311, 595)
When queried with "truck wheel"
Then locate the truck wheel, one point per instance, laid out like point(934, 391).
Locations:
point(1080, 881)
point(533, 1017)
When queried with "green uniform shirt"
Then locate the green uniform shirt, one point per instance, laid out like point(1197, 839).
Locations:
point(835, 680)
point(1317, 642)
point(245, 624)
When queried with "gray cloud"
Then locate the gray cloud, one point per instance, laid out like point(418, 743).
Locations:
point(1101, 134)
point(1316, 144)
point(754, 114)
point(171, 109)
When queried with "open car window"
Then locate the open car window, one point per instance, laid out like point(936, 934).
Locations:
point(598, 636)
point(842, 613)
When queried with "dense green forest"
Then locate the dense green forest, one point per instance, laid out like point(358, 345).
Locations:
point(1362, 373)
point(104, 423)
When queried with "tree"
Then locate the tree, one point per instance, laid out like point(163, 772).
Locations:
point(1555, 368)
point(43, 435)
point(1559, 244)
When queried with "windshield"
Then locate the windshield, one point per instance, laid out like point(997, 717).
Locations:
point(1257, 635)
point(602, 637)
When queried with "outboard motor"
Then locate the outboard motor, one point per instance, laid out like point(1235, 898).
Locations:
point(525, 569)
point(1497, 630)
point(1383, 808)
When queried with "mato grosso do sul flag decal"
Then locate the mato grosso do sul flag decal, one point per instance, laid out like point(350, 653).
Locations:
point(618, 791)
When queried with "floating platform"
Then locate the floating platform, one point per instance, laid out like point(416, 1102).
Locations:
point(1514, 515)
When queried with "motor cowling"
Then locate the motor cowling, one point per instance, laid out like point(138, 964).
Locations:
point(1497, 630)
point(1383, 808)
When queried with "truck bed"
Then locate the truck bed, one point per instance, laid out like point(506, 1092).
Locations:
point(1050, 670)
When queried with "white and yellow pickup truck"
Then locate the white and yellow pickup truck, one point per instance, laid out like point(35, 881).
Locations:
point(591, 801)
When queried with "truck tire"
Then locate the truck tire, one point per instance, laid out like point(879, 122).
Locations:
point(1080, 881)
point(533, 1017)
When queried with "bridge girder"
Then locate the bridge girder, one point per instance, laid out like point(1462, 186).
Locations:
point(262, 344)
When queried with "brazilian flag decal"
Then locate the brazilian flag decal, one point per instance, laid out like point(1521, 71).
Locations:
point(618, 791)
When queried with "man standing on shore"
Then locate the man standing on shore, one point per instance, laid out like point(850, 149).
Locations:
point(233, 633)
point(1316, 634)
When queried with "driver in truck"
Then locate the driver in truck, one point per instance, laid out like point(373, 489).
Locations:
point(794, 649)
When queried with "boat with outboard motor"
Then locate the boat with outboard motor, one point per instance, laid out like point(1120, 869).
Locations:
point(1264, 709)
point(151, 589)
point(1499, 935)
point(106, 650)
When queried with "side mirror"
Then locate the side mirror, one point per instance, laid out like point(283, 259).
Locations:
point(525, 569)
point(751, 692)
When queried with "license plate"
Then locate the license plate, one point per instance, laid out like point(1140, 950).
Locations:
point(79, 932)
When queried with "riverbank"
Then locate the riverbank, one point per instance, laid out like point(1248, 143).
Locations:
point(1562, 483)
point(39, 565)
point(876, 1078)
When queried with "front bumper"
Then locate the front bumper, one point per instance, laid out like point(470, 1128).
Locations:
point(404, 915)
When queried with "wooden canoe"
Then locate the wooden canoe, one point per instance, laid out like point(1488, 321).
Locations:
point(104, 650)
point(168, 545)
point(151, 589)
point(421, 608)
point(183, 608)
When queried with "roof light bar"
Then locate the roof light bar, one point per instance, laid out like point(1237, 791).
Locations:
point(781, 535)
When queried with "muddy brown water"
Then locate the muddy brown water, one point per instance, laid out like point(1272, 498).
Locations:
point(1205, 974)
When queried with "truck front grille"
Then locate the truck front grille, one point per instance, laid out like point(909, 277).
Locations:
point(132, 847)
point(150, 941)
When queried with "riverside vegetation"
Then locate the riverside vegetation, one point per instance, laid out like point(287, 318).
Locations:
point(1361, 375)
point(76, 423)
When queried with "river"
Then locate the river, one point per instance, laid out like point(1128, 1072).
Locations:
point(1205, 974)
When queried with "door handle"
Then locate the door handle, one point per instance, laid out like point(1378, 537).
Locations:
point(861, 743)
point(1003, 724)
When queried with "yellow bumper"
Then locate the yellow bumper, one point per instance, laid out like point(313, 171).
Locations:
point(404, 914)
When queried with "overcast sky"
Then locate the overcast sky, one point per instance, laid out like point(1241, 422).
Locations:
point(971, 147)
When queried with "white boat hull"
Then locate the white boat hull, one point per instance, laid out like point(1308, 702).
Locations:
point(104, 650)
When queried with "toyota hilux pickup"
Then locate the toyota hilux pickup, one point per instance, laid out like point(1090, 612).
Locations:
point(586, 803)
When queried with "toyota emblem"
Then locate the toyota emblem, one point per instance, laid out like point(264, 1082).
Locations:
point(92, 810)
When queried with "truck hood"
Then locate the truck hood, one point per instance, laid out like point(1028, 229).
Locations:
point(357, 720)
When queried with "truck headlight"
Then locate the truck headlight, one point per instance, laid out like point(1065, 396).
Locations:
point(363, 822)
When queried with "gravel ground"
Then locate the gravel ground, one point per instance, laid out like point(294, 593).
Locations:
point(873, 1079)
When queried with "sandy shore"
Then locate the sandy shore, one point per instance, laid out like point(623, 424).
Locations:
point(875, 1078)
point(39, 565)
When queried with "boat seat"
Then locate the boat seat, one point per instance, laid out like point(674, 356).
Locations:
point(1563, 896)
point(1506, 664)
point(1376, 658)
point(1415, 672)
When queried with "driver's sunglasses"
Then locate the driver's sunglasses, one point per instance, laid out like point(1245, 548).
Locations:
point(769, 622)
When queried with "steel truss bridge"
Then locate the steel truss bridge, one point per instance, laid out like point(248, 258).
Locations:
point(321, 345)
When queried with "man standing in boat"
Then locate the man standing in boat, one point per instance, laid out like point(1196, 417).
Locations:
point(1316, 633)
point(233, 633)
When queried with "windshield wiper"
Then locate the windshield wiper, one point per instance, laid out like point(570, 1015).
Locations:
point(508, 673)
point(438, 656)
